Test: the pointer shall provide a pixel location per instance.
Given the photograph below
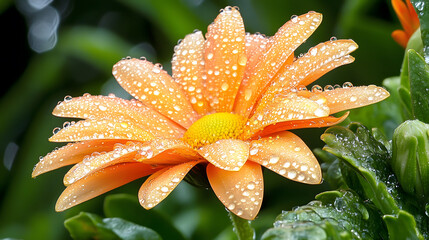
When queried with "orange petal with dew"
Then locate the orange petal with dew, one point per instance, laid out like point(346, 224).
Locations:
point(160, 184)
point(166, 151)
point(155, 88)
point(286, 154)
point(256, 45)
point(289, 37)
point(102, 107)
point(226, 154)
point(306, 69)
point(189, 72)
point(298, 124)
point(400, 37)
point(122, 153)
point(241, 192)
point(100, 129)
point(285, 108)
point(225, 59)
point(100, 182)
point(70, 154)
point(341, 99)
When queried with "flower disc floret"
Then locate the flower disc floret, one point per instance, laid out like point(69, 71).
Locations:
point(214, 127)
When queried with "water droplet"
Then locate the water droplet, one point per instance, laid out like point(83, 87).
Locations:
point(67, 98)
point(143, 58)
point(347, 85)
point(56, 130)
point(333, 39)
point(316, 88)
point(329, 88)
point(128, 58)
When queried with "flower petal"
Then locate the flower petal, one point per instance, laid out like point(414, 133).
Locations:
point(101, 129)
point(298, 124)
point(160, 184)
point(316, 62)
point(341, 99)
point(256, 45)
point(122, 153)
point(166, 151)
point(400, 37)
point(286, 154)
point(404, 16)
point(70, 154)
point(226, 154)
point(155, 88)
point(100, 182)
point(225, 59)
point(102, 107)
point(285, 108)
point(289, 37)
point(189, 72)
point(241, 192)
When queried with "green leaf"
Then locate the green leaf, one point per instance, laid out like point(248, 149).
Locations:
point(334, 215)
point(242, 227)
point(422, 9)
point(368, 158)
point(127, 207)
point(419, 85)
point(91, 226)
point(402, 226)
point(367, 171)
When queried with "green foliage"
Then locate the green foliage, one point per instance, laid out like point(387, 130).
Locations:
point(334, 215)
point(90, 226)
point(127, 207)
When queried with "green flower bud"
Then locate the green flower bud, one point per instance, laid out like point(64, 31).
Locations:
point(410, 160)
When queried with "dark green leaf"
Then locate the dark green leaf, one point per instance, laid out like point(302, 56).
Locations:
point(419, 85)
point(88, 226)
point(91, 226)
point(422, 9)
point(127, 207)
point(334, 215)
point(242, 227)
point(402, 226)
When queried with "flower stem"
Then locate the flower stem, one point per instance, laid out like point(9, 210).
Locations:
point(241, 227)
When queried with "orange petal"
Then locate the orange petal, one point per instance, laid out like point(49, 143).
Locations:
point(122, 153)
point(400, 37)
point(281, 46)
point(227, 154)
point(306, 69)
point(415, 23)
point(311, 123)
point(256, 45)
point(70, 154)
point(100, 182)
point(286, 154)
point(285, 108)
point(403, 15)
point(188, 70)
point(341, 99)
point(102, 107)
point(100, 129)
point(225, 59)
point(166, 151)
point(241, 192)
point(155, 88)
point(160, 184)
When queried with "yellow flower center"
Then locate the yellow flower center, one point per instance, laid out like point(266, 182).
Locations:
point(214, 127)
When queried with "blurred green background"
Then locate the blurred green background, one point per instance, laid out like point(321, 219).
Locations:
point(54, 48)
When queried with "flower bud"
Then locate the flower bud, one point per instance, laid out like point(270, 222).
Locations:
point(410, 160)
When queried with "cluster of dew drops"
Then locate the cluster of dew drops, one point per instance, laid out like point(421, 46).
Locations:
point(318, 88)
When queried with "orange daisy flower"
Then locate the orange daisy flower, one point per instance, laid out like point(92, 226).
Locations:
point(228, 105)
point(409, 21)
